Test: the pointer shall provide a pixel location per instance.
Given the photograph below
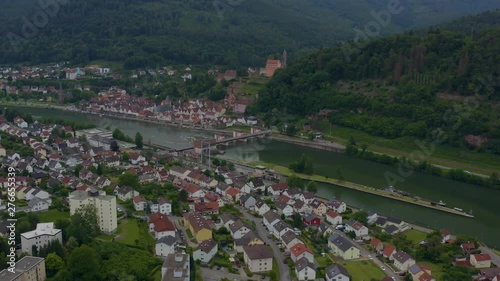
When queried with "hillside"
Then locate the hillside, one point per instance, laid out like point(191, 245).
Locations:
point(151, 32)
point(404, 85)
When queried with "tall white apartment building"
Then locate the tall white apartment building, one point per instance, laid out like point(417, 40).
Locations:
point(104, 204)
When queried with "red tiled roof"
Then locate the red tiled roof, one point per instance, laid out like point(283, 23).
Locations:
point(389, 250)
point(375, 242)
point(161, 222)
point(482, 257)
point(299, 248)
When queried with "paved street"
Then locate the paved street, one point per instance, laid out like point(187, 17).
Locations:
point(278, 255)
point(216, 275)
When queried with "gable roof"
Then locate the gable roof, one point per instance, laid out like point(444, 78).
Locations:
point(258, 252)
point(299, 248)
point(402, 256)
point(207, 245)
point(334, 270)
point(341, 242)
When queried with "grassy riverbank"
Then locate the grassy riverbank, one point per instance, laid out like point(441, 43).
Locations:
point(443, 155)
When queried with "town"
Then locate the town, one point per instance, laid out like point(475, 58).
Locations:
point(78, 190)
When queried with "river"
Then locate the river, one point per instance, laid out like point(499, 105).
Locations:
point(482, 201)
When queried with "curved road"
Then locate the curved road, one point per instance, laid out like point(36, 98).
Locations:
point(284, 270)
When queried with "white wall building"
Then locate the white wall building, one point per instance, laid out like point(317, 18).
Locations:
point(40, 237)
point(104, 204)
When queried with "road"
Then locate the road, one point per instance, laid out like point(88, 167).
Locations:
point(278, 255)
point(495, 259)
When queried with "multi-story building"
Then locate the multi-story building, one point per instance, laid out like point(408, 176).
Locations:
point(105, 206)
point(176, 268)
point(258, 258)
point(27, 269)
point(40, 237)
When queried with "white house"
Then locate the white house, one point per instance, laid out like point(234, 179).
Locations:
point(205, 251)
point(165, 246)
point(336, 272)
point(333, 217)
point(305, 270)
point(357, 227)
point(299, 251)
point(161, 226)
point(403, 261)
point(258, 258)
point(238, 229)
point(261, 207)
point(40, 237)
point(38, 205)
point(161, 206)
point(139, 203)
point(337, 206)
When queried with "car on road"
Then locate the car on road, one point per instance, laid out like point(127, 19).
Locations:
point(263, 277)
point(370, 257)
point(383, 268)
point(218, 267)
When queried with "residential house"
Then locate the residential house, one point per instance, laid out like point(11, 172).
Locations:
point(161, 206)
point(290, 239)
point(357, 227)
point(333, 217)
point(161, 226)
point(284, 209)
point(480, 260)
point(205, 251)
point(261, 207)
point(343, 248)
point(420, 273)
point(305, 270)
point(38, 205)
point(270, 219)
point(311, 220)
point(125, 193)
point(318, 207)
point(372, 217)
point(238, 229)
point(227, 219)
point(27, 268)
point(299, 251)
point(198, 226)
point(445, 235)
point(233, 194)
point(389, 252)
point(336, 272)
point(139, 203)
point(307, 197)
point(337, 206)
point(280, 228)
point(248, 201)
point(165, 246)
point(377, 245)
point(468, 248)
point(258, 258)
point(403, 261)
point(277, 189)
point(248, 239)
point(176, 267)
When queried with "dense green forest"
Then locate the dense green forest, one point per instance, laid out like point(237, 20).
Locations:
point(404, 85)
point(234, 33)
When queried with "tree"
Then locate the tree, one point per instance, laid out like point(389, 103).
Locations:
point(361, 216)
point(71, 244)
point(78, 168)
point(183, 196)
point(53, 264)
point(138, 140)
point(312, 186)
point(129, 179)
point(291, 130)
point(114, 146)
point(125, 157)
point(351, 234)
point(84, 264)
point(294, 181)
point(84, 224)
point(100, 169)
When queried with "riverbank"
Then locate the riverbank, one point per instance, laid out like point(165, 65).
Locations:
point(362, 188)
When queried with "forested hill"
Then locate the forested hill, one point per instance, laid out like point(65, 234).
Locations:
point(234, 33)
point(398, 86)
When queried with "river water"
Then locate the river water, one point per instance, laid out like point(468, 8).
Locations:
point(483, 202)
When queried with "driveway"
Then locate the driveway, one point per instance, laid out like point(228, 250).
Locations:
point(278, 255)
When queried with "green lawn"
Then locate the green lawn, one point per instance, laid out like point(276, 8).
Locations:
point(53, 216)
point(324, 261)
point(253, 87)
point(436, 269)
point(135, 233)
point(363, 270)
point(469, 160)
point(415, 236)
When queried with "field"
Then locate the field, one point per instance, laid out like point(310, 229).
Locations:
point(363, 270)
point(53, 216)
point(415, 236)
point(448, 156)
